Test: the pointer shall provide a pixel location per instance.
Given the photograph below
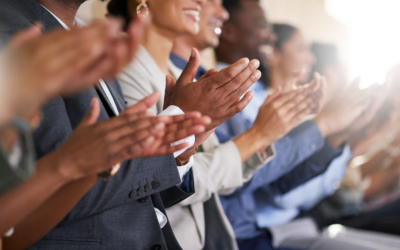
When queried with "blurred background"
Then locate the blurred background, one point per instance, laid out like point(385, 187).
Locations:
point(364, 31)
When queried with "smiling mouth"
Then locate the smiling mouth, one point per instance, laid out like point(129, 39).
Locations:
point(194, 14)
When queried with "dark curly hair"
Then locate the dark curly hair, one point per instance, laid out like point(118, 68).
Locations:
point(119, 8)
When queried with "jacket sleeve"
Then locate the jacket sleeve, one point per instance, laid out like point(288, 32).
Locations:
point(136, 179)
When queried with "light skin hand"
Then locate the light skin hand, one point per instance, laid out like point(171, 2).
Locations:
point(343, 110)
point(276, 117)
point(217, 96)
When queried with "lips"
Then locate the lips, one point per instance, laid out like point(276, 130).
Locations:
point(194, 14)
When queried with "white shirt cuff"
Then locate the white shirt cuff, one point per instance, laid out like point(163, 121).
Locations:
point(174, 110)
point(267, 155)
point(183, 170)
point(162, 219)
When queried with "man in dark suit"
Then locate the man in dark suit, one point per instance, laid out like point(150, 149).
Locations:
point(119, 213)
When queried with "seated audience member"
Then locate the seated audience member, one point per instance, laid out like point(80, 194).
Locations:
point(104, 144)
point(213, 15)
point(239, 207)
point(368, 197)
point(219, 168)
point(50, 74)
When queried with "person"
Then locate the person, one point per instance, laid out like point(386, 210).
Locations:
point(211, 176)
point(233, 44)
point(136, 187)
point(291, 52)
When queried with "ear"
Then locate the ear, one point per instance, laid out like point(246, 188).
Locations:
point(228, 33)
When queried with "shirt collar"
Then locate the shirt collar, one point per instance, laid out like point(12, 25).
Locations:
point(77, 22)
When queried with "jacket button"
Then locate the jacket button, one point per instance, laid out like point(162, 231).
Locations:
point(144, 199)
point(156, 247)
point(155, 184)
point(140, 191)
point(133, 194)
point(148, 187)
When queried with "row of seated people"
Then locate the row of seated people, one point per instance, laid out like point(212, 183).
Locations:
point(245, 156)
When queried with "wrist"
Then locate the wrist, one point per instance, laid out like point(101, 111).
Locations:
point(323, 126)
point(259, 137)
point(56, 167)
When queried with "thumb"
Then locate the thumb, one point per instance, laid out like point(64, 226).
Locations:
point(27, 35)
point(93, 113)
point(169, 89)
point(190, 70)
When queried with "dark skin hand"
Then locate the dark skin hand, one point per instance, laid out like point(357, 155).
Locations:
point(216, 95)
point(64, 176)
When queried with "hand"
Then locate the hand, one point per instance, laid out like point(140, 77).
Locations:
point(281, 112)
point(63, 61)
point(343, 110)
point(97, 146)
point(378, 96)
point(216, 95)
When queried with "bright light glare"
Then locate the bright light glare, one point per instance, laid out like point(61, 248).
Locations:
point(374, 45)
point(335, 230)
point(217, 31)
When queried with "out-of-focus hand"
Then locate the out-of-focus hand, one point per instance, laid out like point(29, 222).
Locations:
point(94, 146)
point(217, 95)
point(63, 61)
point(281, 112)
point(344, 109)
point(378, 96)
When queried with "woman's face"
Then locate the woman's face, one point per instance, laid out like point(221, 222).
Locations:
point(295, 55)
point(177, 17)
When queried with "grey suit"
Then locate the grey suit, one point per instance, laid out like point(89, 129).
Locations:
point(119, 213)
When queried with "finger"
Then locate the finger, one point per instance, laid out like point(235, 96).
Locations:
point(239, 106)
point(227, 74)
point(30, 34)
point(298, 108)
point(355, 85)
point(143, 104)
point(190, 70)
point(300, 116)
point(273, 96)
point(245, 78)
point(169, 89)
point(238, 93)
point(183, 133)
point(287, 97)
point(208, 74)
point(93, 113)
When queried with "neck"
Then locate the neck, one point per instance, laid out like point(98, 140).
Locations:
point(183, 46)
point(277, 78)
point(64, 10)
point(159, 45)
point(228, 54)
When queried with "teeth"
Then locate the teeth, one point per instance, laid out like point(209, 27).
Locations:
point(194, 13)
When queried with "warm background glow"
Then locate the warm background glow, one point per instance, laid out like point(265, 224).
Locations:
point(366, 32)
point(374, 38)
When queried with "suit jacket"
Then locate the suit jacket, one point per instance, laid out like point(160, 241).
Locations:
point(218, 169)
point(119, 213)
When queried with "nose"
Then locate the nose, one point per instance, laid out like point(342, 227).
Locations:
point(223, 13)
point(200, 2)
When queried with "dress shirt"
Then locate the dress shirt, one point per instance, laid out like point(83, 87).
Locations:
point(286, 207)
point(291, 150)
point(183, 170)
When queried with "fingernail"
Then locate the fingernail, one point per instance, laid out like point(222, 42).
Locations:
point(159, 126)
point(246, 61)
point(193, 53)
point(257, 75)
point(254, 64)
